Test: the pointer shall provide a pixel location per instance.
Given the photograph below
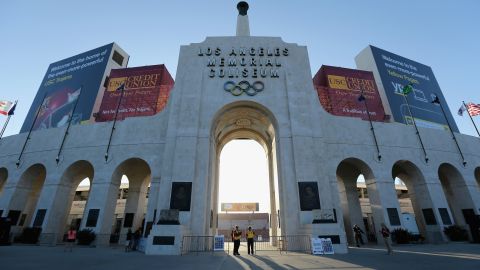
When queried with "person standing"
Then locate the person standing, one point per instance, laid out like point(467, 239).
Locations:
point(236, 235)
point(71, 237)
point(358, 235)
point(128, 242)
point(386, 237)
point(136, 238)
point(250, 238)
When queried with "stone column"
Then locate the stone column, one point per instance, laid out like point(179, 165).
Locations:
point(57, 200)
point(382, 195)
point(103, 195)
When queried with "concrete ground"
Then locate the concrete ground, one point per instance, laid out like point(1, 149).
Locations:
point(451, 256)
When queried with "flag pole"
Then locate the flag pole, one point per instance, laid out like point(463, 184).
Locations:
point(8, 119)
point(437, 100)
point(416, 128)
point(115, 117)
point(473, 122)
point(30, 131)
point(57, 158)
point(379, 156)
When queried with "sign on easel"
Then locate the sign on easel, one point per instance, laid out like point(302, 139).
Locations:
point(317, 247)
point(321, 246)
point(219, 243)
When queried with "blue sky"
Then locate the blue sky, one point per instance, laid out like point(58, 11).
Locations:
point(441, 34)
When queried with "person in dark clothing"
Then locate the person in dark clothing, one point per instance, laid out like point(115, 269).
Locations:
point(236, 235)
point(129, 242)
point(358, 235)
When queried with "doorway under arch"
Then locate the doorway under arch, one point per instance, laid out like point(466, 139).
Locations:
point(75, 183)
point(459, 199)
point(26, 194)
point(354, 199)
point(416, 192)
point(130, 205)
point(246, 120)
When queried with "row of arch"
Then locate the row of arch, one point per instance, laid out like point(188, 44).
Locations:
point(437, 202)
point(32, 202)
point(29, 197)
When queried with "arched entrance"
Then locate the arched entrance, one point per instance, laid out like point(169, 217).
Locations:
point(3, 178)
point(132, 200)
point(246, 120)
point(26, 194)
point(458, 197)
point(417, 193)
point(356, 206)
point(69, 214)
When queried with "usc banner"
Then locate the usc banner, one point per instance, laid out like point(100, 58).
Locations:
point(145, 92)
point(339, 89)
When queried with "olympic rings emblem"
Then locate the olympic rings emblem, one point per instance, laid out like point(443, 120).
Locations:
point(244, 87)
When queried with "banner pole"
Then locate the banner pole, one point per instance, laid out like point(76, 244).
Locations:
point(416, 128)
point(379, 156)
point(57, 158)
point(437, 100)
point(30, 131)
point(115, 118)
point(473, 122)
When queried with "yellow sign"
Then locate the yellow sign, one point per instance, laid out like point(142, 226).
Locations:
point(337, 82)
point(114, 83)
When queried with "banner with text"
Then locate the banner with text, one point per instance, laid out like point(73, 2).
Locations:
point(339, 90)
point(396, 72)
point(145, 92)
point(79, 76)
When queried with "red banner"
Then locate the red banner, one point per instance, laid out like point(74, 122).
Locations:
point(145, 92)
point(339, 90)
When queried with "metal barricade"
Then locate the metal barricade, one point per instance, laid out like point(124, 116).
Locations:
point(284, 243)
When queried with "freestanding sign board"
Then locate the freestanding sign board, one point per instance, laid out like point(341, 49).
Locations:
point(219, 243)
point(317, 247)
point(392, 72)
point(322, 246)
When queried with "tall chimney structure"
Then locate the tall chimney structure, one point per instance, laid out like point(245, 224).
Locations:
point(243, 28)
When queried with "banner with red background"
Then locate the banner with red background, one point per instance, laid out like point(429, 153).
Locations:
point(146, 91)
point(339, 89)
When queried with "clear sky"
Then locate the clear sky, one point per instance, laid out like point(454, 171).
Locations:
point(442, 34)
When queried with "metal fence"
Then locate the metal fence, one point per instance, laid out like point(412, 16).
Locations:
point(284, 243)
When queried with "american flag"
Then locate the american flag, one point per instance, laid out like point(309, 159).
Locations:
point(473, 109)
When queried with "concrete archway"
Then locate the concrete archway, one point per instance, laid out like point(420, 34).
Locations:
point(247, 120)
point(348, 172)
point(426, 216)
point(58, 217)
point(458, 196)
point(138, 173)
point(26, 194)
point(3, 178)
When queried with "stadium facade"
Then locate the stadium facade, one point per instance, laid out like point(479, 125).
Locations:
point(240, 87)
